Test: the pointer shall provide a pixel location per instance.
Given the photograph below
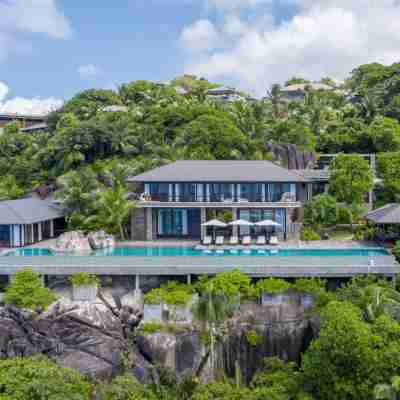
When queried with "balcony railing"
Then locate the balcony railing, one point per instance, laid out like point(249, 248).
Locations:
point(215, 198)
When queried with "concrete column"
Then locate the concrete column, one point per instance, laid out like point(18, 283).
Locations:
point(52, 228)
point(203, 217)
point(137, 282)
point(32, 233)
point(235, 229)
point(189, 279)
point(149, 224)
point(40, 231)
point(289, 212)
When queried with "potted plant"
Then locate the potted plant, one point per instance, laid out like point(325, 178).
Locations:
point(153, 306)
point(309, 290)
point(84, 286)
point(273, 291)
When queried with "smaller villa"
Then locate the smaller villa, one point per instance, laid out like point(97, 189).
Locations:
point(29, 220)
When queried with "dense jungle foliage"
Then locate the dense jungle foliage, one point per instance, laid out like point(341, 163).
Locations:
point(89, 150)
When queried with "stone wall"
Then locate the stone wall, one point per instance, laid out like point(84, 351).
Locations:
point(138, 224)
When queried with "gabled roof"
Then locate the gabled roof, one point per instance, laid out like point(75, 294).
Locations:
point(388, 214)
point(219, 171)
point(27, 211)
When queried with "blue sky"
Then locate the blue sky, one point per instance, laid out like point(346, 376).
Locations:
point(51, 49)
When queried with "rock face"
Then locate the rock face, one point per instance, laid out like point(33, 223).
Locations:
point(290, 156)
point(70, 242)
point(90, 337)
point(100, 240)
point(76, 241)
point(283, 331)
point(182, 352)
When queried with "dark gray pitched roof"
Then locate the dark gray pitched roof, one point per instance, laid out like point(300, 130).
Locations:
point(219, 171)
point(27, 211)
point(388, 214)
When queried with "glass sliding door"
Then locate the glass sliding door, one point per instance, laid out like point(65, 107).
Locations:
point(172, 223)
point(5, 237)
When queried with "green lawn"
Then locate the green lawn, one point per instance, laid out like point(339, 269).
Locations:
point(341, 234)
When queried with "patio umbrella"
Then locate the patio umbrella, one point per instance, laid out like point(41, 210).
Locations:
point(267, 222)
point(215, 223)
point(241, 222)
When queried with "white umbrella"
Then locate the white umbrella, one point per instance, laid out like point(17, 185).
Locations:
point(267, 222)
point(216, 223)
point(241, 222)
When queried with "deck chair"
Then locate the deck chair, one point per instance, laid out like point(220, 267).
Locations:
point(246, 240)
point(219, 240)
point(261, 240)
point(207, 240)
point(274, 240)
point(234, 240)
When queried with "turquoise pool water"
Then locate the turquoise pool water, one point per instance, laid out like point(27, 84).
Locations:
point(190, 252)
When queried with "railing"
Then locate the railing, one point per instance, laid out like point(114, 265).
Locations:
point(213, 198)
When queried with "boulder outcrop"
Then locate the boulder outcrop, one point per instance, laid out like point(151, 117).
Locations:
point(78, 242)
point(91, 337)
point(290, 156)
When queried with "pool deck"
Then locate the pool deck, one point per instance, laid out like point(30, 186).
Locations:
point(185, 265)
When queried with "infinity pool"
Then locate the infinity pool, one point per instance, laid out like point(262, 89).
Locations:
point(190, 252)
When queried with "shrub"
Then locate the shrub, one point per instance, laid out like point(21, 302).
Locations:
point(307, 235)
point(231, 284)
point(172, 293)
point(253, 338)
point(39, 378)
point(364, 232)
point(344, 216)
point(272, 286)
point(310, 286)
point(321, 211)
point(84, 279)
point(26, 291)
point(124, 387)
point(396, 250)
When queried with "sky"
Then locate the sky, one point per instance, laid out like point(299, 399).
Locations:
point(52, 49)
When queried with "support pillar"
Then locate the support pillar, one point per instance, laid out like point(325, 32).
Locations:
point(235, 229)
point(203, 216)
point(40, 231)
point(149, 224)
point(394, 281)
point(32, 233)
point(189, 279)
point(137, 282)
point(52, 228)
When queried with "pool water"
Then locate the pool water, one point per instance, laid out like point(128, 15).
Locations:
point(190, 252)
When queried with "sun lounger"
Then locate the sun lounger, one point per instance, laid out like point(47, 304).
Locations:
point(219, 240)
point(261, 240)
point(207, 240)
point(234, 240)
point(246, 240)
point(273, 240)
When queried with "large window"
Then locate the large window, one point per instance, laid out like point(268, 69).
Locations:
point(220, 191)
point(159, 191)
point(172, 222)
point(256, 215)
point(5, 235)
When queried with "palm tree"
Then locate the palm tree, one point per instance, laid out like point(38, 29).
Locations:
point(275, 97)
point(113, 210)
point(212, 309)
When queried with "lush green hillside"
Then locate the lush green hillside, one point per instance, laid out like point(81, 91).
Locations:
point(157, 124)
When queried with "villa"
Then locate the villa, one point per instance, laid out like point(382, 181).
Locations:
point(27, 221)
point(179, 197)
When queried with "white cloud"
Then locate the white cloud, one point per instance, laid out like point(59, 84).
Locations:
point(325, 37)
point(19, 17)
point(200, 36)
point(21, 105)
point(89, 71)
point(3, 91)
